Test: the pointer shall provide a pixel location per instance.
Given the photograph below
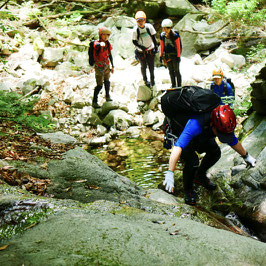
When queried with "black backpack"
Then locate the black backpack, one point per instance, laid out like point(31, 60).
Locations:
point(226, 80)
point(189, 100)
point(178, 106)
point(91, 57)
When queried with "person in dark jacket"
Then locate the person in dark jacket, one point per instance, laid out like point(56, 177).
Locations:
point(198, 136)
point(170, 52)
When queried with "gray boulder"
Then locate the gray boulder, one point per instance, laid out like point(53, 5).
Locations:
point(259, 92)
point(249, 184)
point(107, 233)
point(178, 7)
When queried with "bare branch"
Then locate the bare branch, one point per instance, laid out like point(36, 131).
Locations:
point(4, 4)
point(207, 33)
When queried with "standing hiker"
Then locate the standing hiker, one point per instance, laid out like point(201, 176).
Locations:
point(170, 51)
point(146, 46)
point(102, 57)
point(196, 135)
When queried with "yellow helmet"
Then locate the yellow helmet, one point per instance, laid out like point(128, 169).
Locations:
point(217, 73)
point(140, 15)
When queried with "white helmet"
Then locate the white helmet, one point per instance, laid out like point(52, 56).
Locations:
point(167, 23)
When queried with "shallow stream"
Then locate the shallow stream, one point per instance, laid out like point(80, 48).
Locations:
point(142, 161)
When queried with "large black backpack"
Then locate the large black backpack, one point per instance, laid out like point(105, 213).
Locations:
point(180, 104)
point(189, 100)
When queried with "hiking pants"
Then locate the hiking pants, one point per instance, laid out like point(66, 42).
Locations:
point(191, 159)
point(147, 60)
point(101, 75)
point(174, 72)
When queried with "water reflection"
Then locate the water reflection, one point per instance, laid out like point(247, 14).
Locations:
point(141, 160)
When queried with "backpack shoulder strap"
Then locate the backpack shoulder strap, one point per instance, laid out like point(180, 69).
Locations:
point(148, 30)
point(225, 85)
point(212, 86)
point(138, 33)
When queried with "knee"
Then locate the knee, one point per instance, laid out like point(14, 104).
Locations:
point(216, 153)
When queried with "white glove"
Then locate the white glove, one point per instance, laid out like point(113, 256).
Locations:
point(102, 44)
point(250, 160)
point(169, 181)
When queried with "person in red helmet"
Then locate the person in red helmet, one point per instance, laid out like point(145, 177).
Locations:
point(102, 57)
point(197, 136)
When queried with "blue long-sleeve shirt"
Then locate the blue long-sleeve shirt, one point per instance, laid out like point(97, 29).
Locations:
point(219, 90)
point(193, 128)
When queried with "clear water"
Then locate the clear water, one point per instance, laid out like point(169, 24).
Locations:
point(142, 161)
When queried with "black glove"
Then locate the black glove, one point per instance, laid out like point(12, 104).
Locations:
point(161, 59)
point(143, 48)
point(155, 50)
point(178, 60)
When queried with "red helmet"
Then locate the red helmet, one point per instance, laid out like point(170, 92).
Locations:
point(224, 119)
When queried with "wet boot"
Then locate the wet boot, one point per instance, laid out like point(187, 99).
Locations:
point(95, 97)
point(107, 90)
point(205, 182)
point(190, 197)
point(202, 180)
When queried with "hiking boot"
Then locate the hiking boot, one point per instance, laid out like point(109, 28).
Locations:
point(205, 182)
point(148, 84)
point(190, 197)
point(96, 105)
point(108, 99)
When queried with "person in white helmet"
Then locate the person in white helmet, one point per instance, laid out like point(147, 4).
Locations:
point(170, 52)
point(146, 46)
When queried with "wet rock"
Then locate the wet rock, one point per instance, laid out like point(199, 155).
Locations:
point(98, 234)
point(58, 137)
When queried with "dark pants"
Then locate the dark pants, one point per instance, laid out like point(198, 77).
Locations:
point(174, 72)
point(147, 59)
point(192, 166)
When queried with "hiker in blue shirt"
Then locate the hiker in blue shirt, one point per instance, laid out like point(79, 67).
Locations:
point(196, 136)
point(222, 88)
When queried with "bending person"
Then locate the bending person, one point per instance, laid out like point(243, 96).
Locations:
point(198, 136)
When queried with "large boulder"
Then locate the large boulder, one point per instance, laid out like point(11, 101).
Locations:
point(190, 28)
point(52, 56)
point(108, 233)
point(247, 185)
point(178, 7)
point(259, 92)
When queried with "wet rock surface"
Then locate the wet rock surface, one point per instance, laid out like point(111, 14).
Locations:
point(109, 233)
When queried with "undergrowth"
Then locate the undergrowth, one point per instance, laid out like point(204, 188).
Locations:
point(14, 108)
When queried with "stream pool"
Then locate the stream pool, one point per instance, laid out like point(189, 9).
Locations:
point(141, 160)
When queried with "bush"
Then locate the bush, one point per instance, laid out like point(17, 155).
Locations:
point(245, 11)
point(13, 108)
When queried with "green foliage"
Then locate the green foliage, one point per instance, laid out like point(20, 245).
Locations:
point(76, 16)
point(21, 111)
point(257, 53)
point(7, 15)
point(245, 11)
point(21, 221)
point(241, 108)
